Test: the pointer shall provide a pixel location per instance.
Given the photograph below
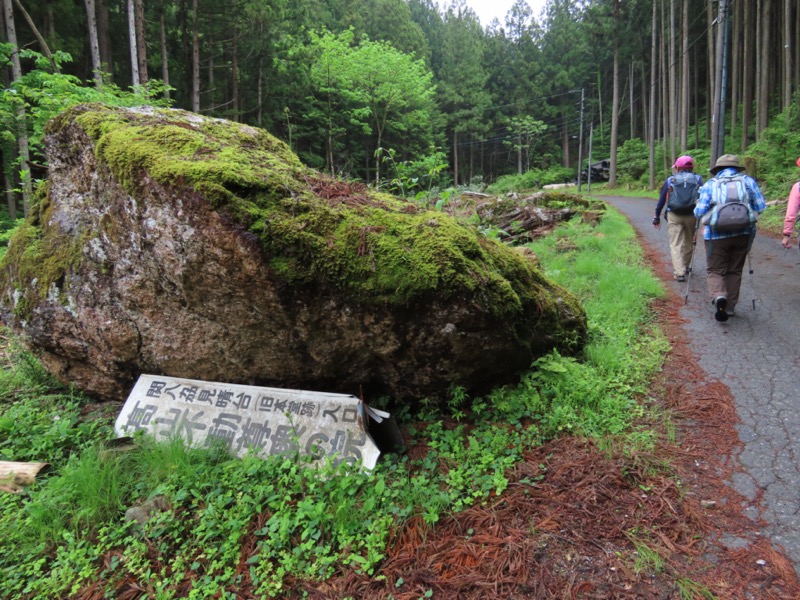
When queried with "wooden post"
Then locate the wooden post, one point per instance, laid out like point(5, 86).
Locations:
point(15, 475)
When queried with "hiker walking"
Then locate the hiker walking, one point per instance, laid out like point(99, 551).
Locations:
point(791, 213)
point(679, 193)
point(729, 206)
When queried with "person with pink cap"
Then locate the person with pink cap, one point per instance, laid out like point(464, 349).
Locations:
point(679, 193)
point(792, 208)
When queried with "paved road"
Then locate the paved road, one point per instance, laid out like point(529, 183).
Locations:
point(756, 353)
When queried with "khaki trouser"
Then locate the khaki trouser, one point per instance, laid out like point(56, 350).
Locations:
point(725, 262)
point(680, 231)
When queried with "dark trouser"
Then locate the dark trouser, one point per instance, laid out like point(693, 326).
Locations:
point(725, 262)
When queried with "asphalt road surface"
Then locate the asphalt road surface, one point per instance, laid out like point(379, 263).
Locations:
point(756, 353)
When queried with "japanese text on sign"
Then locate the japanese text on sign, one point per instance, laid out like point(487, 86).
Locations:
point(265, 421)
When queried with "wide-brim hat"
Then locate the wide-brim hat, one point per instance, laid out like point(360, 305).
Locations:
point(726, 161)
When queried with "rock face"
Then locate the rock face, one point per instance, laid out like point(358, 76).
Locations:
point(168, 243)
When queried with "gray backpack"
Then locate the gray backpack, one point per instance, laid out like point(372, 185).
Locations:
point(730, 206)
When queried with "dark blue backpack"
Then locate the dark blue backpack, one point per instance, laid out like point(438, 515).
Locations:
point(683, 193)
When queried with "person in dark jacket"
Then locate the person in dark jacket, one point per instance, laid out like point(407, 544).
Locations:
point(681, 224)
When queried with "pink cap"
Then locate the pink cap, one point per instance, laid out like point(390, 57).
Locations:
point(685, 162)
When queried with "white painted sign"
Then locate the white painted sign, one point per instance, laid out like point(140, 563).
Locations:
point(267, 421)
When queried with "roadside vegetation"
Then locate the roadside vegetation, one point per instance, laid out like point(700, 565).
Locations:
point(224, 521)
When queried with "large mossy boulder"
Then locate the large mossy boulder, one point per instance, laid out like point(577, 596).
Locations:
point(168, 243)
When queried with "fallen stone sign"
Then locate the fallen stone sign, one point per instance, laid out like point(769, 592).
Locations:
point(267, 421)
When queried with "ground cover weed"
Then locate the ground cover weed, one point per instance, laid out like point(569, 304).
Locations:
point(647, 558)
point(40, 420)
point(24, 375)
point(596, 395)
point(691, 590)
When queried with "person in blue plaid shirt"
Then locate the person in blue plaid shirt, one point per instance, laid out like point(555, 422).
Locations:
point(726, 252)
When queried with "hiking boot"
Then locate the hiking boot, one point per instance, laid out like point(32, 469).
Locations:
point(730, 312)
point(721, 303)
point(680, 278)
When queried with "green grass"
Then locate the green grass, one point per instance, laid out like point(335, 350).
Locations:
point(691, 590)
point(646, 558)
point(606, 270)
point(68, 530)
point(39, 419)
point(627, 190)
point(771, 220)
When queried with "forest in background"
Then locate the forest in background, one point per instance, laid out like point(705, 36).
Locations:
point(406, 95)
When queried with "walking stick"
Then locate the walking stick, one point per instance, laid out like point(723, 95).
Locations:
point(750, 272)
point(691, 262)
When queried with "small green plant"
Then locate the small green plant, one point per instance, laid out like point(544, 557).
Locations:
point(444, 198)
point(691, 590)
point(386, 156)
point(40, 420)
point(457, 402)
point(648, 559)
point(493, 232)
point(418, 177)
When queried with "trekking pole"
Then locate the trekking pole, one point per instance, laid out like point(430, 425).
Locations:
point(750, 272)
point(691, 262)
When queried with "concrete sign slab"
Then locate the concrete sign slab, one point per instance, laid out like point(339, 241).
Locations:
point(266, 421)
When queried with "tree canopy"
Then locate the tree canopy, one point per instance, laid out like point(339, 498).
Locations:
point(343, 79)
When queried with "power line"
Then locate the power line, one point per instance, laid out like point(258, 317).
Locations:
point(549, 133)
point(531, 100)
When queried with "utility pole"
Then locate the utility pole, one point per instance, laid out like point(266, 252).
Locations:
point(580, 146)
point(589, 166)
point(132, 37)
point(723, 41)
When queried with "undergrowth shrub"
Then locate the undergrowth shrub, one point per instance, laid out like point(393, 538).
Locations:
point(40, 420)
point(531, 180)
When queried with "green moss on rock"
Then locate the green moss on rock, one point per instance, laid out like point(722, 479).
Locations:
point(374, 248)
point(38, 258)
point(176, 148)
